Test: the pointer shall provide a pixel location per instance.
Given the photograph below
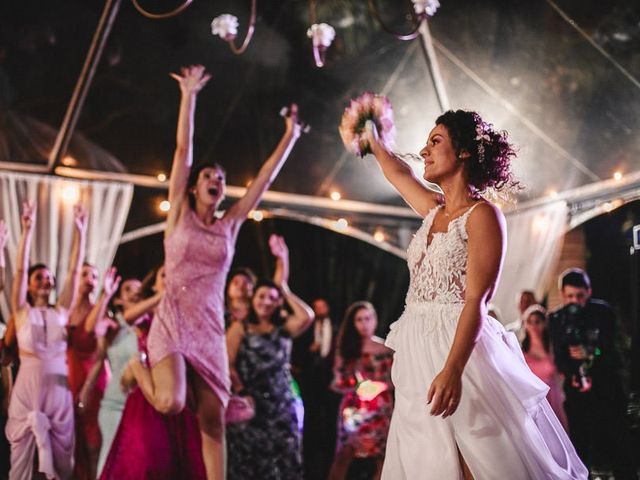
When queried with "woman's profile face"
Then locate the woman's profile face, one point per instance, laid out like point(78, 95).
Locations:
point(365, 321)
point(210, 187)
point(265, 301)
point(440, 159)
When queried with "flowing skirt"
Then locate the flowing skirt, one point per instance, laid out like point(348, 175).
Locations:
point(504, 426)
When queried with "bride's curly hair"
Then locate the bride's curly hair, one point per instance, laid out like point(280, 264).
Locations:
point(489, 164)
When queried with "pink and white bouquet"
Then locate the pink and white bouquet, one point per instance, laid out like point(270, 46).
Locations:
point(368, 106)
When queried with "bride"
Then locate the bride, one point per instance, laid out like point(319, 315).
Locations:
point(467, 406)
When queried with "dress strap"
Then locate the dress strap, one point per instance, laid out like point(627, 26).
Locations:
point(466, 214)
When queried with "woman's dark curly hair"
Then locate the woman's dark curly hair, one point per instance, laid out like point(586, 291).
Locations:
point(349, 340)
point(193, 178)
point(276, 319)
point(489, 164)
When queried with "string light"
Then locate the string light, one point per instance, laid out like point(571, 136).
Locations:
point(379, 235)
point(608, 207)
point(335, 196)
point(553, 193)
point(162, 177)
point(164, 206)
point(70, 193)
point(69, 161)
point(341, 224)
point(256, 215)
point(617, 176)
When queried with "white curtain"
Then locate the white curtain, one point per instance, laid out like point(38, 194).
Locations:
point(108, 206)
point(534, 241)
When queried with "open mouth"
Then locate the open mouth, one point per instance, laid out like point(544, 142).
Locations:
point(213, 191)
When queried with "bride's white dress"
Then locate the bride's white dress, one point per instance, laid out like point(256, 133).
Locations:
point(504, 426)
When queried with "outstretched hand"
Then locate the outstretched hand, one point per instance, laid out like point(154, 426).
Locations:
point(445, 393)
point(80, 215)
point(28, 218)
point(371, 135)
point(291, 121)
point(111, 282)
point(278, 247)
point(191, 79)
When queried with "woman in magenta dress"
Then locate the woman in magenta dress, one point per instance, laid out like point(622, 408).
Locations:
point(41, 409)
point(147, 443)
point(81, 356)
point(188, 331)
point(537, 353)
point(362, 374)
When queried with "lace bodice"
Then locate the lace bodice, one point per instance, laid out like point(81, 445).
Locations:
point(438, 272)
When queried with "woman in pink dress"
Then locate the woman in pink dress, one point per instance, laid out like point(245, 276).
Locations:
point(81, 356)
point(538, 355)
point(148, 444)
point(41, 408)
point(188, 333)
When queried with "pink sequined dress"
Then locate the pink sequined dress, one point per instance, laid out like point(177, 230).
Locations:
point(545, 369)
point(190, 317)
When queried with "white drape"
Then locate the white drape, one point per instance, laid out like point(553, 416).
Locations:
point(108, 205)
point(534, 241)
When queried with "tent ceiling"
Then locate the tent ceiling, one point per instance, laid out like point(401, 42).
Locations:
point(570, 107)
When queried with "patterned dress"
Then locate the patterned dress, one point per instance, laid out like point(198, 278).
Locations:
point(504, 426)
point(269, 445)
point(363, 422)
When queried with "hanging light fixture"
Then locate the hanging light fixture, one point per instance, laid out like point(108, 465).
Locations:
point(422, 10)
point(226, 27)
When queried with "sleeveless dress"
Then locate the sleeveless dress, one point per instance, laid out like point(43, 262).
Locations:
point(363, 423)
point(81, 352)
point(504, 426)
point(190, 317)
point(41, 407)
point(269, 446)
point(123, 346)
point(149, 445)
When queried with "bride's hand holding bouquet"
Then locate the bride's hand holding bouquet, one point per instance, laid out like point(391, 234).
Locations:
point(367, 123)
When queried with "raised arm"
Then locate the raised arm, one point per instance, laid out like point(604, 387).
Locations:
point(400, 174)
point(110, 286)
point(486, 247)
point(269, 170)
point(302, 315)
point(191, 80)
point(70, 287)
point(280, 250)
point(234, 338)
point(3, 242)
point(143, 307)
point(94, 373)
point(19, 286)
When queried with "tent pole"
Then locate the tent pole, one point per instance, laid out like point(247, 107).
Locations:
point(434, 67)
point(111, 8)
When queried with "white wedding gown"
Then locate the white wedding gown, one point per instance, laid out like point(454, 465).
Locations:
point(504, 426)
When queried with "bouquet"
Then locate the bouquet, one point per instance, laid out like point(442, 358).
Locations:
point(368, 106)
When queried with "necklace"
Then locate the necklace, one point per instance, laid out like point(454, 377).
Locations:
point(449, 214)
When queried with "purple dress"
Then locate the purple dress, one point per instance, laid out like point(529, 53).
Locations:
point(190, 317)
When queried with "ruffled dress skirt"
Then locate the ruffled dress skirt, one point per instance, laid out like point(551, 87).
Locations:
point(504, 427)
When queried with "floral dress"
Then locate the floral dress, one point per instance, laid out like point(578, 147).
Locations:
point(364, 417)
point(269, 445)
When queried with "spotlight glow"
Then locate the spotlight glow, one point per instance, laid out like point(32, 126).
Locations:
point(70, 194)
point(335, 196)
point(164, 206)
point(617, 176)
